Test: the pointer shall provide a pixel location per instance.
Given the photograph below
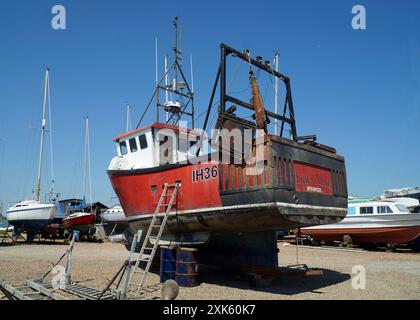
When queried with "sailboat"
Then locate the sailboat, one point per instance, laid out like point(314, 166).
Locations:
point(83, 217)
point(32, 215)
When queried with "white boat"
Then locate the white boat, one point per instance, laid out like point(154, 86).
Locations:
point(32, 215)
point(114, 214)
point(382, 221)
point(114, 220)
point(410, 203)
point(31, 210)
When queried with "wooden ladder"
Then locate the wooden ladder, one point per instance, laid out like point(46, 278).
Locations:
point(135, 274)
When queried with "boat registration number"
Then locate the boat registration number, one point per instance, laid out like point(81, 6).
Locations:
point(204, 174)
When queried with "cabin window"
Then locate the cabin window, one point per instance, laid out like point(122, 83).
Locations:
point(351, 211)
point(366, 210)
point(193, 143)
point(123, 148)
point(143, 142)
point(133, 145)
point(402, 208)
point(384, 209)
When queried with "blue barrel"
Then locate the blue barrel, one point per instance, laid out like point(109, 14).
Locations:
point(186, 267)
point(76, 235)
point(167, 264)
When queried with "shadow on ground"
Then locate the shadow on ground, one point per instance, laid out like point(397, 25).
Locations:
point(286, 285)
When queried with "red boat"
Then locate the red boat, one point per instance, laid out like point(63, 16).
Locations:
point(299, 183)
point(80, 221)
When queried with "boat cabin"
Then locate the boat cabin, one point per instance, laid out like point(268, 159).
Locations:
point(155, 145)
point(368, 208)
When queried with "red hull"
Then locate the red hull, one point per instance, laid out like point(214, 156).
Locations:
point(140, 193)
point(367, 235)
point(83, 221)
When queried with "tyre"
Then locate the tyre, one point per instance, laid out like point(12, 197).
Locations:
point(315, 242)
point(416, 245)
point(129, 240)
point(347, 241)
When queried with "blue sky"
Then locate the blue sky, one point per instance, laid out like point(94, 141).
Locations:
point(359, 91)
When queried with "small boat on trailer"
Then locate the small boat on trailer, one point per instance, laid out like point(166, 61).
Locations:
point(299, 182)
point(371, 221)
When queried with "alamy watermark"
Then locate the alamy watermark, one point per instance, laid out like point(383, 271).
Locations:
point(58, 21)
point(358, 279)
point(359, 19)
point(59, 281)
point(227, 146)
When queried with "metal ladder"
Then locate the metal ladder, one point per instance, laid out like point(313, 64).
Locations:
point(147, 252)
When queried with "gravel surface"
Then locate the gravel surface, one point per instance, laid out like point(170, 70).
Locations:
point(389, 275)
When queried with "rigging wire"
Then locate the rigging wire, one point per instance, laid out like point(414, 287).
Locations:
point(51, 140)
point(89, 166)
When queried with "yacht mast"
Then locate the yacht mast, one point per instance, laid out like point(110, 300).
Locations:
point(86, 171)
point(41, 148)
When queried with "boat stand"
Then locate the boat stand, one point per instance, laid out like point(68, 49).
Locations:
point(8, 235)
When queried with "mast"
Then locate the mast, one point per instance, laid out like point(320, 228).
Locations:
point(179, 98)
point(175, 48)
point(128, 118)
point(276, 98)
point(41, 147)
point(86, 170)
point(166, 86)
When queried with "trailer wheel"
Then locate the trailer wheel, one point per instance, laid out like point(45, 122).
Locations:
point(315, 242)
point(391, 247)
point(347, 241)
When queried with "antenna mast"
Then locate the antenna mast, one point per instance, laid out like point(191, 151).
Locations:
point(276, 98)
point(128, 118)
point(181, 101)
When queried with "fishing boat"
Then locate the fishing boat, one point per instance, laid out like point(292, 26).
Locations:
point(81, 217)
point(371, 221)
point(298, 182)
point(32, 215)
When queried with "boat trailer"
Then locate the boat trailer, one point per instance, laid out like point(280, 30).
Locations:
point(66, 289)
